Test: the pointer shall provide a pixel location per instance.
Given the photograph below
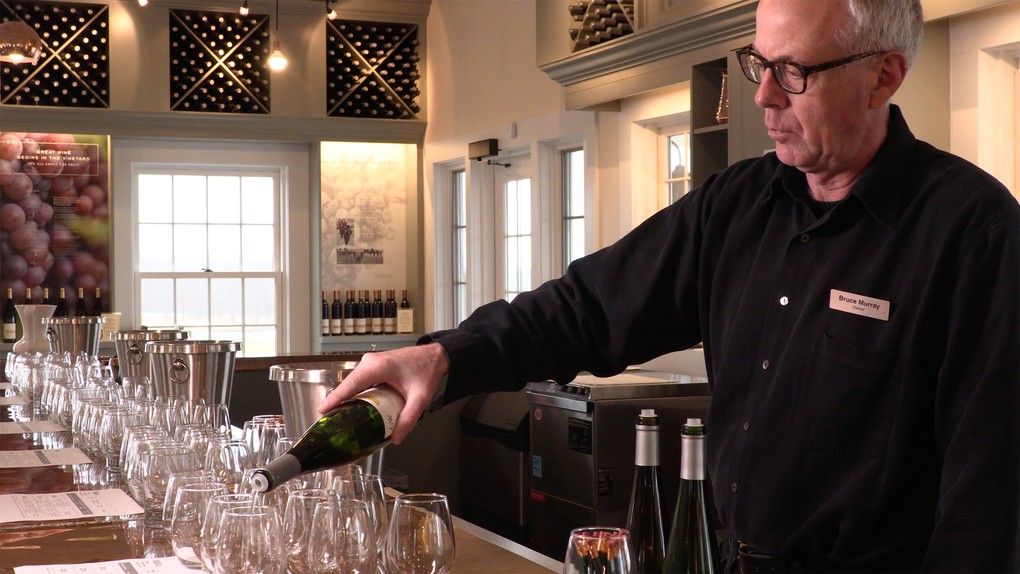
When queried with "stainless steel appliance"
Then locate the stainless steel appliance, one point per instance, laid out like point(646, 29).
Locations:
point(582, 448)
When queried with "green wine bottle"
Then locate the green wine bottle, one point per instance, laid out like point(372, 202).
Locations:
point(692, 547)
point(352, 431)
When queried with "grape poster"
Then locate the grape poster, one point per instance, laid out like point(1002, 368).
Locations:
point(54, 216)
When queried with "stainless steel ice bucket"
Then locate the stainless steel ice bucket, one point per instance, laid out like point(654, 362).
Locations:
point(74, 334)
point(303, 386)
point(131, 357)
point(193, 369)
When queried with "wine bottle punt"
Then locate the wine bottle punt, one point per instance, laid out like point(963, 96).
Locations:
point(352, 431)
point(645, 514)
point(692, 547)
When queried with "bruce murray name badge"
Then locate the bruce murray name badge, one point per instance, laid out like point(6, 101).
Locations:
point(859, 305)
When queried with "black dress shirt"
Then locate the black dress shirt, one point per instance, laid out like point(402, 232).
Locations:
point(864, 360)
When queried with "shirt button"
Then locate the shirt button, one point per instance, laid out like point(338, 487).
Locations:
point(765, 364)
point(805, 238)
point(747, 425)
point(733, 487)
point(784, 300)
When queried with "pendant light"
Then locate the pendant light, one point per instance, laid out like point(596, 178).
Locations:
point(277, 61)
point(19, 43)
point(330, 12)
point(243, 10)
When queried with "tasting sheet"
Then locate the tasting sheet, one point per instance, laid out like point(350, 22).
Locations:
point(136, 566)
point(29, 427)
point(42, 457)
point(67, 505)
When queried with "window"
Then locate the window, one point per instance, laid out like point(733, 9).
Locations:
point(573, 205)
point(677, 164)
point(208, 254)
point(516, 237)
point(461, 306)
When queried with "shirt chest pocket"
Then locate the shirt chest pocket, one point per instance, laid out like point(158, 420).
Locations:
point(848, 397)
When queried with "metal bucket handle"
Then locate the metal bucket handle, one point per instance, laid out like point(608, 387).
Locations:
point(177, 367)
point(134, 354)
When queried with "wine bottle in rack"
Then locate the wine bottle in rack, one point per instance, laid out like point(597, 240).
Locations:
point(80, 310)
point(97, 304)
point(645, 514)
point(352, 431)
point(349, 313)
point(692, 544)
point(10, 318)
point(61, 310)
point(390, 312)
point(377, 313)
point(325, 316)
point(361, 314)
point(336, 315)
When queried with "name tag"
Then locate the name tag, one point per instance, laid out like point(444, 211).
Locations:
point(859, 305)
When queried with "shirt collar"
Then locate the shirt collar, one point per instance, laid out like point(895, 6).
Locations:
point(884, 184)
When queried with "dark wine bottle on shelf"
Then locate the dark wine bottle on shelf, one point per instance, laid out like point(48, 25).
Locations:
point(10, 318)
point(404, 303)
point(61, 310)
point(97, 304)
point(324, 315)
point(46, 296)
point(336, 315)
point(79, 306)
point(361, 314)
point(377, 313)
point(352, 431)
point(390, 312)
point(349, 313)
point(645, 514)
point(692, 547)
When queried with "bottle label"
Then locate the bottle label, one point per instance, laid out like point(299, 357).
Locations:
point(387, 401)
point(325, 326)
point(10, 331)
point(348, 326)
point(337, 326)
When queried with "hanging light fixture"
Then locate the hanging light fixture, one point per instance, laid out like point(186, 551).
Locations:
point(19, 43)
point(243, 10)
point(330, 12)
point(143, 2)
point(277, 61)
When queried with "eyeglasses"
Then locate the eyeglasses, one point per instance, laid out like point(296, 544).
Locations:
point(792, 77)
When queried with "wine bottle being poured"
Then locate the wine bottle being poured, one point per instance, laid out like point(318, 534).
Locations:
point(352, 431)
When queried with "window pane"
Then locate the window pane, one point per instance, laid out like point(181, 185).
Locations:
point(460, 257)
point(219, 333)
point(461, 312)
point(257, 248)
point(155, 198)
point(575, 239)
point(225, 248)
point(226, 301)
point(524, 263)
point(510, 219)
point(155, 247)
point(259, 341)
point(193, 301)
point(524, 206)
point(678, 154)
point(575, 183)
point(257, 205)
point(190, 248)
point(459, 197)
point(260, 301)
point(189, 199)
point(197, 332)
point(156, 297)
point(224, 199)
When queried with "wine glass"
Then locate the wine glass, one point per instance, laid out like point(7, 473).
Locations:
point(138, 387)
point(297, 519)
point(215, 415)
point(155, 468)
point(342, 539)
point(420, 536)
point(211, 524)
point(367, 487)
point(188, 512)
point(179, 480)
point(597, 550)
point(250, 542)
point(228, 459)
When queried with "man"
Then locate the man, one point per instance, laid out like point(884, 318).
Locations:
point(858, 297)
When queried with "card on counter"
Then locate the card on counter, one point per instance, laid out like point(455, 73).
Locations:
point(168, 565)
point(66, 505)
point(42, 457)
point(30, 427)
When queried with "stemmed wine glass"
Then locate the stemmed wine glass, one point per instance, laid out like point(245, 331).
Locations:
point(420, 536)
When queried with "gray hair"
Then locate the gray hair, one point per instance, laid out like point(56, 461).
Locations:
point(883, 25)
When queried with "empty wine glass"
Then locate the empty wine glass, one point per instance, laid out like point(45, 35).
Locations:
point(597, 550)
point(297, 524)
point(228, 459)
point(189, 509)
point(179, 480)
point(342, 539)
point(369, 488)
point(155, 468)
point(250, 541)
point(211, 524)
point(215, 415)
point(420, 536)
point(138, 387)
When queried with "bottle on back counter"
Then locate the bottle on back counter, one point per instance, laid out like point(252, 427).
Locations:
point(692, 547)
point(352, 431)
point(645, 514)
point(79, 306)
point(325, 316)
point(336, 316)
point(349, 313)
point(10, 318)
point(377, 314)
point(361, 314)
point(97, 304)
point(61, 310)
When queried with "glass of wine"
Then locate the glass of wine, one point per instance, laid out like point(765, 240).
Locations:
point(598, 550)
point(420, 536)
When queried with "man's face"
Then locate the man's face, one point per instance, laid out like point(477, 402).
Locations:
point(822, 130)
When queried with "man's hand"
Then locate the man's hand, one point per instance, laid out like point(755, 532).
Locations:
point(415, 372)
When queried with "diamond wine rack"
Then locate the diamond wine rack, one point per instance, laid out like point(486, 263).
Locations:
point(372, 70)
point(601, 21)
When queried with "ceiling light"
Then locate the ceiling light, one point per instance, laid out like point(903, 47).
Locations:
point(277, 61)
point(143, 2)
point(244, 8)
point(330, 12)
point(19, 43)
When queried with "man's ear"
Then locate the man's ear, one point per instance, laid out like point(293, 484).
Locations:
point(892, 69)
